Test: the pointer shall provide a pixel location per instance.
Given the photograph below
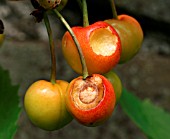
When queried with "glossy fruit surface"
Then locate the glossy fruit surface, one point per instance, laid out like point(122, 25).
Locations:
point(45, 104)
point(90, 101)
point(100, 45)
point(131, 35)
point(116, 82)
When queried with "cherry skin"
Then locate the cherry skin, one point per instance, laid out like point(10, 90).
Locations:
point(100, 45)
point(131, 35)
point(45, 104)
point(116, 82)
point(90, 101)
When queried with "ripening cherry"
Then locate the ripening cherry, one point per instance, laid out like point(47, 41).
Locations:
point(131, 35)
point(100, 45)
point(44, 104)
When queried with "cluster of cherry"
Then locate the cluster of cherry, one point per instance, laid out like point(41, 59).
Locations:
point(92, 51)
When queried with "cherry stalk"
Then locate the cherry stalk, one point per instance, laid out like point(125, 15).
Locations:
point(114, 12)
point(85, 71)
point(52, 49)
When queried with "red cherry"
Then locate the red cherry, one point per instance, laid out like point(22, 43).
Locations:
point(90, 101)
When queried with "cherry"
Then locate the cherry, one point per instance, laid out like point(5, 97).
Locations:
point(45, 104)
point(100, 45)
point(131, 35)
point(116, 82)
point(92, 100)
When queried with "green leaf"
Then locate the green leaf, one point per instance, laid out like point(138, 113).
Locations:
point(152, 120)
point(9, 106)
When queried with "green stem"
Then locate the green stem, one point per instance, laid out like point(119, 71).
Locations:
point(84, 67)
point(83, 7)
point(85, 13)
point(114, 12)
point(52, 49)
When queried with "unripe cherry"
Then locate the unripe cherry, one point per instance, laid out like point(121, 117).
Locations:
point(44, 104)
point(116, 82)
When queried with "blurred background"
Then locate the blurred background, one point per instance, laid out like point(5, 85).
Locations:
point(25, 53)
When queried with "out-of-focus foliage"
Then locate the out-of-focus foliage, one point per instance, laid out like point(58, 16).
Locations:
point(152, 120)
point(9, 106)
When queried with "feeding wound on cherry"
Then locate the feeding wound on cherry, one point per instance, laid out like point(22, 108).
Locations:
point(105, 45)
point(87, 94)
point(91, 100)
point(100, 45)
